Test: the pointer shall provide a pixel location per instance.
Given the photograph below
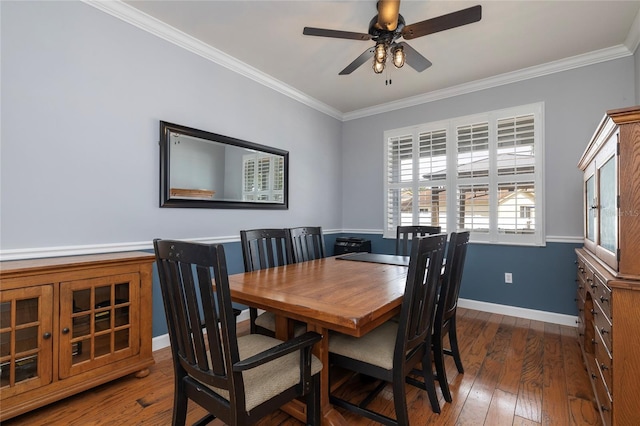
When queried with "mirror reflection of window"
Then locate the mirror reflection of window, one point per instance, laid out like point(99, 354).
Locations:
point(263, 177)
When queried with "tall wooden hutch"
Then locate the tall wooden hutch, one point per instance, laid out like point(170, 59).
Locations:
point(70, 323)
point(608, 294)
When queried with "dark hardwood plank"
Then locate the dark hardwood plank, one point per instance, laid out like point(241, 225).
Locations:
point(529, 404)
point(554, 384)
point(517, 372)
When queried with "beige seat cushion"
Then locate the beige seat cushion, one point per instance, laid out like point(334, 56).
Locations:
point(270, 379)
point(375, 347)
point(268, 320)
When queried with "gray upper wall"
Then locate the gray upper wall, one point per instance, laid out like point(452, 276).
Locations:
point(574, 103)
point(83, 92)
point(82, 96)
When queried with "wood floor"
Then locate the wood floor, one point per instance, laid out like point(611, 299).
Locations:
point(517, 372)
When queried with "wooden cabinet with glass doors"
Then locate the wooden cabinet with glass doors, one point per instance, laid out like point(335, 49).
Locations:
point(608, 275)
point(70, 323)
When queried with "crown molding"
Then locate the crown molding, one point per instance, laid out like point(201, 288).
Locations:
point(168, 33)
point(578, 61)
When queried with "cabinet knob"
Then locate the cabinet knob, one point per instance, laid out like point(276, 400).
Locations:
point(603, 331)
point(603, 367)
point(603, 408)
point(46, 335)
point(65, 330)
point(593, 312)
point(603, 299)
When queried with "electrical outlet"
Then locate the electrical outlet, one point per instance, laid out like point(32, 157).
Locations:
point(508, 278)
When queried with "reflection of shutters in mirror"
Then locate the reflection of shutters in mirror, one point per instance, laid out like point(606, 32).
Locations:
point(263, 178)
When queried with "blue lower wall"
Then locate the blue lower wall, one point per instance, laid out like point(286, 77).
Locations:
point(543, 277)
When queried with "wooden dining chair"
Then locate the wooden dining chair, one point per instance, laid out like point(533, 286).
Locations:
point(389, 352)
point(406, 234)
point(261, 249)
point(445, 321)
point(238, 379)
point(307, 243)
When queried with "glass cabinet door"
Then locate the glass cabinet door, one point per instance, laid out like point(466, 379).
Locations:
point(608, 219)
point(26, 345)
point(591, 207)
point(97, 318)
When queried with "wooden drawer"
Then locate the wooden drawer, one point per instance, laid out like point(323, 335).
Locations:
point(603, 297)
point(580, 320)
point(604, 401)
point(604, 362)
point(581, 279)
point(603, 325)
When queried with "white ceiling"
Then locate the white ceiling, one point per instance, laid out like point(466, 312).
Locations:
point(514, 40)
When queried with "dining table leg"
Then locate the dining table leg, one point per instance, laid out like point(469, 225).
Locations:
point(330, 416)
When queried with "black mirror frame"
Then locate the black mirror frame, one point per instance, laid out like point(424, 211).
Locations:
point(165, 171)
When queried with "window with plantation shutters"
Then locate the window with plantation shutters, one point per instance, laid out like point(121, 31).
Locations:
point(262, 177)
point(490, 163)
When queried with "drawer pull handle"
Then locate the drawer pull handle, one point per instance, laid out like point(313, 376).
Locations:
point(604, 299)
point(593, 312)
point(593, 376)
point(603, 367)
point(603, 408)
point(603, 331)
point(593, 342)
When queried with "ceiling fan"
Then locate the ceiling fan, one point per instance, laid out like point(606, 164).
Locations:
point(388, 26)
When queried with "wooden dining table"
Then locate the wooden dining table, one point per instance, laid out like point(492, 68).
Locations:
point(329, 295)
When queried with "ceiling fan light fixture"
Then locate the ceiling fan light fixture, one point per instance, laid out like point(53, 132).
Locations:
point(380, 55)
point(398, 56)
point(378, 67)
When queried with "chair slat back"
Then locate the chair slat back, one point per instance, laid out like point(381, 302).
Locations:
point(265, 248)
point(450, 289)
point(419, 302)
point(201, 322)
point(307, 242)
point(406, 234)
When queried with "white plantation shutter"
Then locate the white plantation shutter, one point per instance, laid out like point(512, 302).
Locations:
point(416, 167)
point(473, 207)
point(473, 150)
point(493, 164)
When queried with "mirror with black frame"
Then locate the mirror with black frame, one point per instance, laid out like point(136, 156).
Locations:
point(207, 170)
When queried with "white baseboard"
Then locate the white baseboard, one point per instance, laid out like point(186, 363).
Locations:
point(514, 311)
point(161, 342)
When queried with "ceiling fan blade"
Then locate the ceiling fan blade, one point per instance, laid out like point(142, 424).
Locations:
point(388, 11)
point(321, 32)
point(444, 22)
point(414, 59)
point(366, 55)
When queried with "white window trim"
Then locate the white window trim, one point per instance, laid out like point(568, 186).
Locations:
point(493, 236)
